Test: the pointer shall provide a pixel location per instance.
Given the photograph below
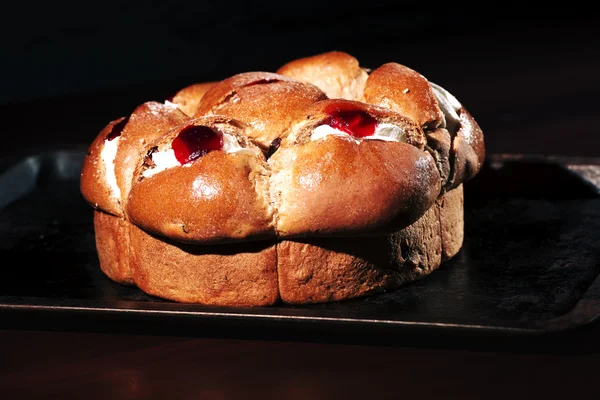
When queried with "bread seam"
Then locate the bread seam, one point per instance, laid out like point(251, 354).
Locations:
point(441, 229)
point(451, 161)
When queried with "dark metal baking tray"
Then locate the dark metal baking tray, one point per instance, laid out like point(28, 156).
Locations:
point(530, 263)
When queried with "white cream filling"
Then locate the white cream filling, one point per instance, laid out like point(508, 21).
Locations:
point(107, 155)
point(170, 104)
point(231, 145)
point(386, 132)
point(166, 159)
point(163, 160)
point(449, 106)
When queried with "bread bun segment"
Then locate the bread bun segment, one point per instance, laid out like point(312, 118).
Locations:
point(339, 184)
point(218, 197)
point(402, 89)
point(337, 187)
point(336, 73)
point(267, 102)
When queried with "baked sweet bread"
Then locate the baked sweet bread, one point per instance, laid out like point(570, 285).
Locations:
point(321, 181)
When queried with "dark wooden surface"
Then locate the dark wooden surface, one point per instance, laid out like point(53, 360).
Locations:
point(100, 366)
point(533, 88)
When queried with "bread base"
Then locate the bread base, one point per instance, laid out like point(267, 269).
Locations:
point(452, 222)
point(292, 271)
point(240, 275)
point(112, 246)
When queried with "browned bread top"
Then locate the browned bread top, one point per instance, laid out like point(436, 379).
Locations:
point(188, 98)
point(337, 73)
point(267, 102)
point(284, 160)
point(403, 89)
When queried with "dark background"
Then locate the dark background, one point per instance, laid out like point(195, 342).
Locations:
point(527, 72)
point(518, 68)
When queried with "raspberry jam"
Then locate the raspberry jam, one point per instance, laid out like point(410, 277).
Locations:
point(356, 123)
point(117, 129)
point(194, 142)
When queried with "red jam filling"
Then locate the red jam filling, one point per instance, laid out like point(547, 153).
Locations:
point(117, 129)
point(194, 142)
point(356, 123)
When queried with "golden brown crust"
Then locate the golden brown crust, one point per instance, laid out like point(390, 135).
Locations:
point(148, 121)
point(113, 246)
point(333, 269)
point(402, 89)
point(213, 200)
point(336, 73)
point(267, 102)
point(244, 275)
point(335, 186)
point(93, 182)
point(216, 198)
point(188, 98)
point(224, 89)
